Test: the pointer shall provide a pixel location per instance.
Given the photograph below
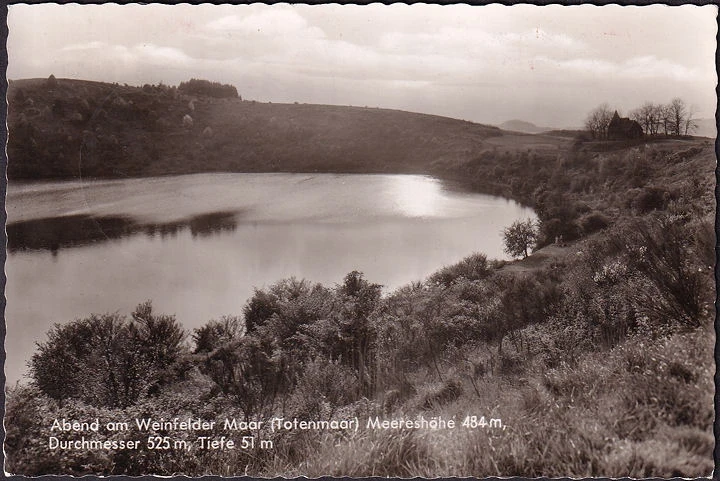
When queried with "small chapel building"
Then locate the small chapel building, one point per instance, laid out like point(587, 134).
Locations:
point(622, 128)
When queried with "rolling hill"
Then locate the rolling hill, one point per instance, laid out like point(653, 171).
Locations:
point(81, 128)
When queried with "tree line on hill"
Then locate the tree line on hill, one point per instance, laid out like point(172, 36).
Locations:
point(672, 119)
point(210, 89)
point(66, 128)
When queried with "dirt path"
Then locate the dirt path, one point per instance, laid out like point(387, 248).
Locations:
point(540, 258)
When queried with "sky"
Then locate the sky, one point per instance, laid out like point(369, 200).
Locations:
point(548, 65)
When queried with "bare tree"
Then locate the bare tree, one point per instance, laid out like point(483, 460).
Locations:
point(653, 116)
point(662, 113)
point(647, 116)
point(674, 118)
point(677, 114)
point(598, 120)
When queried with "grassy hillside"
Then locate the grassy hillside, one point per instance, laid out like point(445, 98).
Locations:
point(594, 353)
point(80, 128)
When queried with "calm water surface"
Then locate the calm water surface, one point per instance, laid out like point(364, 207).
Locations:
point(197, 245)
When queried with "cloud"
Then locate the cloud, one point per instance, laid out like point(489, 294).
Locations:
point(477, 43)
point(94, 45)
point(141, 53)
point(157, 53)
point(637, 68)
point(284, 22)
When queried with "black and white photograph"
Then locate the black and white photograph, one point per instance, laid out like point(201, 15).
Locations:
point(395, 240)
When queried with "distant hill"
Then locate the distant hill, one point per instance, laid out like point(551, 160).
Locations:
point(523, 126)
point(67, 128)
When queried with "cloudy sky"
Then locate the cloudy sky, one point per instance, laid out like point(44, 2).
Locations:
point(549, 65)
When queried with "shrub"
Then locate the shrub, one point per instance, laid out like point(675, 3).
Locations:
point(556, 228)
point(650, 198)
point(323, 387)
point(217, 333)
point(449, 391)
point(510, 363)
point(104, 360)
point(520, 300)
point(677, 283)
point(261, 306)
point(249, 372)
point(593, 222)
point(472, 268)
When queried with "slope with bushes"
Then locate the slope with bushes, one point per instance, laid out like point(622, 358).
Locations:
point(595, 355)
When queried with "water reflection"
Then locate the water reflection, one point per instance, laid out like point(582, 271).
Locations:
point(57, 233)
point(206, 225)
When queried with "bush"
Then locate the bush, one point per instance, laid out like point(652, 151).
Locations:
point(449, 391)
point(214, 334)
point(261, 306)
point(556, 228)
point(649, 199)
point(472, 268)
point(104, 360)
point(323, 387)
point(678, 282)
point(593, 222)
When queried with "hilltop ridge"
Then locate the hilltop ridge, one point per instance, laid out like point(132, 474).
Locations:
point(85, 128)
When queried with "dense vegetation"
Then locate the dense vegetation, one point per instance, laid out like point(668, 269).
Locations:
point(207, 88)
point(596, 353)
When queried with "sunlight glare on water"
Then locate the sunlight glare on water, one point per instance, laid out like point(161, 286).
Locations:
point(417, 196)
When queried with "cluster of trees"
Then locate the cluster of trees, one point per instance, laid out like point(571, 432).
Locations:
point(67, 128)
point(301, 344)
point(289, 333)
point(208, 88)
point(674, 118)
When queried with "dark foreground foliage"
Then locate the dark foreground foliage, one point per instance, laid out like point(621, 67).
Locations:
point(106, 361)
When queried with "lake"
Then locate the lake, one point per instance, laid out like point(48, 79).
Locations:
point(197, 245)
